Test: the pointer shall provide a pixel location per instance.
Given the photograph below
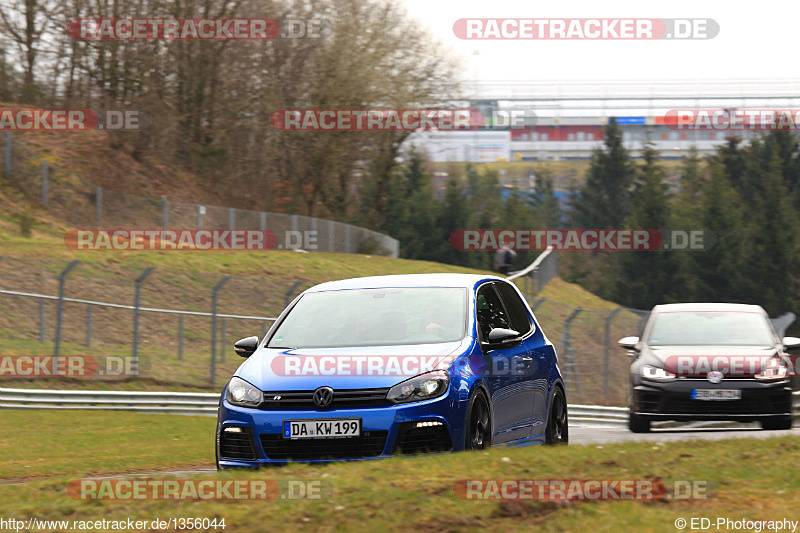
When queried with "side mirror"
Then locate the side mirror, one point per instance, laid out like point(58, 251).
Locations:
point(791, 342)
point(246, 347)
point(502, 338)
point(628, 342)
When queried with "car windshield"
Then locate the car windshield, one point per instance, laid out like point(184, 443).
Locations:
point(709, 328)
point(374, 317)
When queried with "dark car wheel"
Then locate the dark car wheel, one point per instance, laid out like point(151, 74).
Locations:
point(479, 427)
point(784, 422)
point(557, 424)
point(638, 424)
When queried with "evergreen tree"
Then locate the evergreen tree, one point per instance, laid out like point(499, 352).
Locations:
point(647, 278)
point(604, 200)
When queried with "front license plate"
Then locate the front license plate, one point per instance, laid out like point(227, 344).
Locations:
point(321, 429)
point(716, 394)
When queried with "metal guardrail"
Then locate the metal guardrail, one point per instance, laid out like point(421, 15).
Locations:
point(205, 404)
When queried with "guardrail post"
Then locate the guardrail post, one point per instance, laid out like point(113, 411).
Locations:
point(136, 306)
point(180, 337)
point(60, 310)
point(88, 326)
point(41, 321)
point(607, 355)
point(214, 294)
point(44, 183)
point(165, 213)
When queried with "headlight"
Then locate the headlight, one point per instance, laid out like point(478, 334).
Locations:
point(655, 373)
point(774, 369)
point(422, 387)
point(242, 393)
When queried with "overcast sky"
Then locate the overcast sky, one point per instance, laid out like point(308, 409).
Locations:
point(757, 40)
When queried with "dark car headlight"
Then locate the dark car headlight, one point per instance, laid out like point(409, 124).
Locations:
point(243, 393)
point(422, 387)
point(657, 374)
point(774, 369)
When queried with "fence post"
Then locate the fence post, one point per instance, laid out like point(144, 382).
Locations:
point(165, 213)
point(44, 183)
point(41, 321)
point(570, 364)
point(607, 356)
point(287, 299)
point(7, 171)
point(88, 326)
point(99, 206)
point(214, 294)
point(231, 218)
point(199, 217)
point(262, 219)
point(347, 238)
point(263, 330)
point(222, 340)
point(331, 235)
point(180, 337)
point(60, 310)
point(136, 304)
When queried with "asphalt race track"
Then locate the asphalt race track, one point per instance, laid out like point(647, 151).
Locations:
point(585, 434)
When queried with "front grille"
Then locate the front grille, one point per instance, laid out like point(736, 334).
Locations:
point(711, 407)
point(237, 445)
point(412, 439)
point(369, 444)
point(342, 398)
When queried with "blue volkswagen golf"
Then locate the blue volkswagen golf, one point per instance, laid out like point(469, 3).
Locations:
point(387, 365)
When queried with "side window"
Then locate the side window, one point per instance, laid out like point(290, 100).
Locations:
point(490, 311)
point(520, 320)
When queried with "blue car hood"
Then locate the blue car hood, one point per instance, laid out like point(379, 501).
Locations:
point(267, 368)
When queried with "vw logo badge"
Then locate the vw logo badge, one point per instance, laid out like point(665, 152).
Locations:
point(323, 397)
point(715, 376)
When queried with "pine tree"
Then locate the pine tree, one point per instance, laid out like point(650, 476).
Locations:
point(603, 202)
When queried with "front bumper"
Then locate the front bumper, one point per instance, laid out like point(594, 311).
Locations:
point(672, 400)
point(386, 431)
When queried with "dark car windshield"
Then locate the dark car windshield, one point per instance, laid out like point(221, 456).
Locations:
point(701, 328)
point(374, 317)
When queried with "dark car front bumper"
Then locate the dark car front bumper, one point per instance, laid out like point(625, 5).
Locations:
point(672, 400)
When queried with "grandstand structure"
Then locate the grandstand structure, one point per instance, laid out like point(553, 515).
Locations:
point(570, 117)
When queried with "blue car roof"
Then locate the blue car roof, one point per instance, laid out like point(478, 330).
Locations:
point(404, 280)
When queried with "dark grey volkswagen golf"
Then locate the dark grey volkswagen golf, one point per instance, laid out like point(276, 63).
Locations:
point(710, 361)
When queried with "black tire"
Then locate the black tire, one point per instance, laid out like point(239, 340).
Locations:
point(784, 422)
point(479, 424)
point(637, 424)
point(557, 431)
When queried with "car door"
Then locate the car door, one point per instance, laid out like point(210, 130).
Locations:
point(511, 395)
point(538, 356)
